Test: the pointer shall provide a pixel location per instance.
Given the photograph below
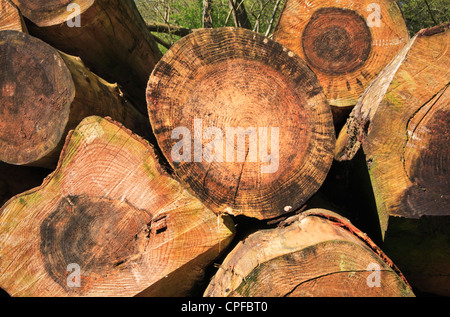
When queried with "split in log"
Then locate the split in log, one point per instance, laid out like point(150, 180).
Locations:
point(45, 93)
point(10, 17)
point(402, 123)
point(255, 127)
point(347, 43)
point(316, 253)
point(109, 221)
point(110, 36)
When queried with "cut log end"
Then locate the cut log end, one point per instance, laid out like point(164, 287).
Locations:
point(32, 79)
point(336, 41)
point(257, 132)
point(346, 43)
point(10, 17)
point(45, 13)
point(108, 222)
point(314, 254)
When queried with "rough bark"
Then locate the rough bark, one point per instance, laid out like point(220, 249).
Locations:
point(347, 43)
point(316, 253)
point(10, 17)
point(233, 78)
point(112, 210)
point(44, 94)
point(112, 39)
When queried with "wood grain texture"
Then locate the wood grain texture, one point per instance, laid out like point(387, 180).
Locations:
point(343, 41)
point(401, 123)
point(407, 159)
point(316, 253)
point(44, 94)
point(111, 209)
point(10, 17)
point(230, 78)
point(111, 38)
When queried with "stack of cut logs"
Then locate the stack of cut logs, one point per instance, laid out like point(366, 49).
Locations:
point(312, 163)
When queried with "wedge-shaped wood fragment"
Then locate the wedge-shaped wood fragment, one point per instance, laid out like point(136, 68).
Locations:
point(401, 122)
point(316, 253)
point(108, 222)
point(346, 42)
point(10, 17)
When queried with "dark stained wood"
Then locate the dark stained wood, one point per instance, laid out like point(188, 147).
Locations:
point(45, 93)
point(112, 39)
point(347, 43)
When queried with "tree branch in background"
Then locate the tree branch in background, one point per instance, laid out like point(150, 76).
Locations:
point(207, 14)
point(431, 13)
point(168, 28)
point(239, 14)
point(272, 19)
point(162, 42)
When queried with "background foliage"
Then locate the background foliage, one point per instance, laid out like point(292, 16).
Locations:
point(263, 14)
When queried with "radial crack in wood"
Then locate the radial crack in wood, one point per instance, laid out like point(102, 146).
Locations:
point(242, 120)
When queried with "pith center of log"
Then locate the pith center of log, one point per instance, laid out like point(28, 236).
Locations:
point(97, 234)
point(336, 41)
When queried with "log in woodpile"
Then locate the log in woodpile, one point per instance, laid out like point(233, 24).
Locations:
point(402, 122)
point(111, 213)
point(110, 36)
point(10, 17)
point(44, 93)
point(244, 141)
point(347, 43)
point(243, 122)
point(317, 253)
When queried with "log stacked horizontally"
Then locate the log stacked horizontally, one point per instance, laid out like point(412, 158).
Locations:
point(111, 210)
point(45, 93)
point(243, 122)
point(401, 122)
point(313, 163)
point(110, 36)
point(347, 43)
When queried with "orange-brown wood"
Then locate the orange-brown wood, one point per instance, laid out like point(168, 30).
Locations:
point(109, 35)
point(401, 122)
point(10, 17)
point(347, 43)
point(316, 253)
point(109, 221)
point(257, 127)
point(44, 93)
